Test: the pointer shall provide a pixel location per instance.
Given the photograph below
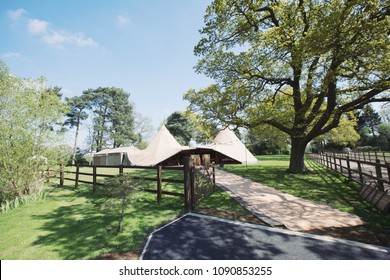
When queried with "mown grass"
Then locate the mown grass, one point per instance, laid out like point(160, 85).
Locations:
point(318, 184)
point(77, 223)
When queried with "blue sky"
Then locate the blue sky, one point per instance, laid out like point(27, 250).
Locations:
point(143, 46)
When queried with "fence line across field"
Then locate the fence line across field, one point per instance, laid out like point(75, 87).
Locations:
point(198, 181)
point(365, 156)
point(362, 171)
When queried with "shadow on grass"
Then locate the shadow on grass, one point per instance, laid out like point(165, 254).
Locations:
point(346, 192)
point(318, 184)
point(85, 227)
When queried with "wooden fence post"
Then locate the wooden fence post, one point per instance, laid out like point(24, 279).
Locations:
point(159, 184)
point(378, 170)
point(360, 172)
point(349, 168)
point(335, 162)
point(76, 183)
point(187, 183)
point(193, 186)
point(327, 160)
point(120, 169)
point(388, 170)
point(94, 178)
point(61, 175)
point(214, 178)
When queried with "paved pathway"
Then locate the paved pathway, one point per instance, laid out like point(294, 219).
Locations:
point(278, 208)
point(199, 237)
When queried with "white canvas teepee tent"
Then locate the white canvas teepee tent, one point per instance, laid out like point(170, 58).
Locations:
point(114, 156)
point(162, 147)
point(227, 143)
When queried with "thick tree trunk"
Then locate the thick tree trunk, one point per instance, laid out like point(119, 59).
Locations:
point(297, 158)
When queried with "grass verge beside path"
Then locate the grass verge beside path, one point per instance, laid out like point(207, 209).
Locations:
point(320, 185)
point(76, 223)
point(79, 224)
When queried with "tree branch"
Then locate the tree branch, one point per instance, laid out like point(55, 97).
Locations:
point(271, 15)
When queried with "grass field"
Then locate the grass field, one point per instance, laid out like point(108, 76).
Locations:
point(76, 223)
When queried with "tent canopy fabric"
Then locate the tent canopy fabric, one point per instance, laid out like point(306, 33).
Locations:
point(228, 144)
point(114, 156)
point(164, 149)
point(131, 149)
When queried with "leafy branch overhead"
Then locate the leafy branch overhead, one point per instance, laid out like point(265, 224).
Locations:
point(298, 66)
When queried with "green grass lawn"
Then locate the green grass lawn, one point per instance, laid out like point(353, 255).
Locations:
point(318, 184)
point(78, 224)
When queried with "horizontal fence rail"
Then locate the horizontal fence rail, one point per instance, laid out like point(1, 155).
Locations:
point(366, 156)
point(362, 171)
point(374, 177)
point(194, 178)
point(121, 170)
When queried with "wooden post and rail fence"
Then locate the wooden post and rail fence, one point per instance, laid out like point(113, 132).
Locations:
point(198, 181)
point(371, 171)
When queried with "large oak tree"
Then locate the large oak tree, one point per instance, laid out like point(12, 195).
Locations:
point(295, 65)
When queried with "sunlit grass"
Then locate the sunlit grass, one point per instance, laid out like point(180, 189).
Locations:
point(79, 224)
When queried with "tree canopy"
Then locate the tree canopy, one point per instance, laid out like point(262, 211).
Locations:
point(295, 65)
point(77, 107)
point(113, 120)
point(29, 112)
point(180, 126)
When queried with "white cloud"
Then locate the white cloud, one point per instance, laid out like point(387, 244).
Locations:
point(10, 55)
point(59, 38)
point(16, 15)
point(44, 30)
point(37, 26)
point(122, 20)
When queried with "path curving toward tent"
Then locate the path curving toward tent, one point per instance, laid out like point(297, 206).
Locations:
point(278, 208)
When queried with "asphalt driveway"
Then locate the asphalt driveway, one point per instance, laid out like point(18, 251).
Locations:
point(199, 237)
